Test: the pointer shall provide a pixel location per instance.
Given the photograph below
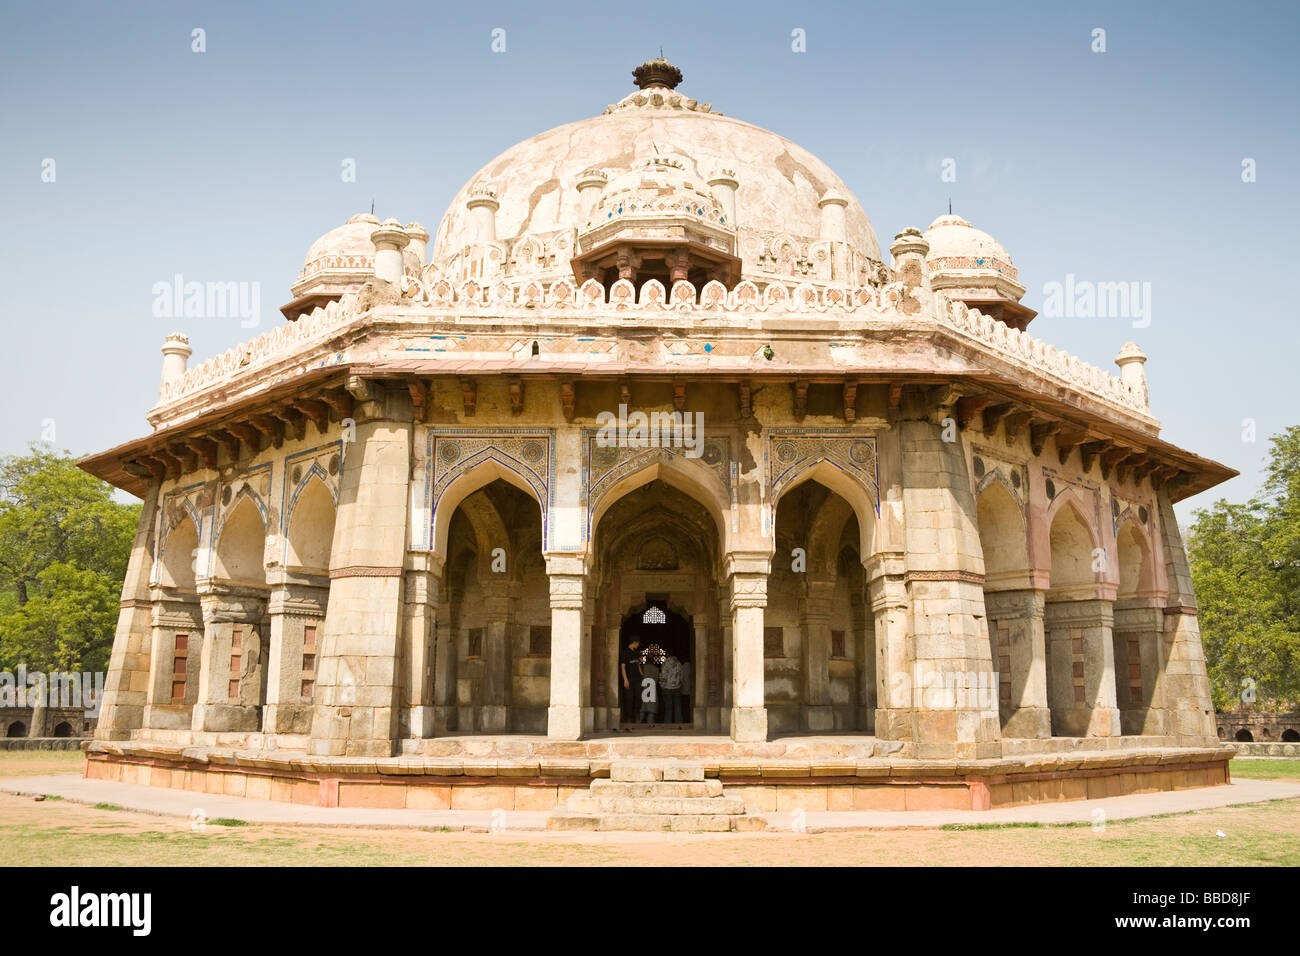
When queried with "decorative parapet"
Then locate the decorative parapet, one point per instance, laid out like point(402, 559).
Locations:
point(622, 299)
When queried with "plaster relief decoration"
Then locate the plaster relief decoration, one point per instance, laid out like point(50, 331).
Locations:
point(323, 464)
point(178, 506)
point(606, 465)
point(453, 452)
point(792, 452)
point(989, 465)
point(255, 486)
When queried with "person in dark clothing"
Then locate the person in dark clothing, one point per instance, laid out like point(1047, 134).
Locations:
point(629, 667)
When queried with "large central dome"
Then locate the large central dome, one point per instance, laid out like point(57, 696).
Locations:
point(547, 187)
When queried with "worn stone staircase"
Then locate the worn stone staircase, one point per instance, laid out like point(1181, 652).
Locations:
point(654, 795)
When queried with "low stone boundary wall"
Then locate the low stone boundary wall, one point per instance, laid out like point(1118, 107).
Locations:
point(42, 743)
point(1266, 750)
point(766, 785)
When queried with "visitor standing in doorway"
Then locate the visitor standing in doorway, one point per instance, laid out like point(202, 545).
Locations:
point(629, 667)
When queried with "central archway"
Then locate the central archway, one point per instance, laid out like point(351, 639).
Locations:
point(659, 628)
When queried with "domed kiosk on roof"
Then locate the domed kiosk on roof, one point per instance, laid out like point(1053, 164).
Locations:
point(972, 267)
point(654, 354)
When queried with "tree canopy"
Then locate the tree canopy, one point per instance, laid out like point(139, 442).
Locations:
point(1245, 561)
point(64, 544)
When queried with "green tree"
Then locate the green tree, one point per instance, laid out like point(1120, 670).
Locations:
point(64, 544)
point(1245, 561)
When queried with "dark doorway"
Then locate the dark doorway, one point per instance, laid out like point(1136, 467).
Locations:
point(670, 632)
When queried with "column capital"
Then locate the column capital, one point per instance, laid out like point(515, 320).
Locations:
point(747, 563)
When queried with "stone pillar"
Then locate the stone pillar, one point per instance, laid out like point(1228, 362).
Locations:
point(419, 639)
point(494, 711)
point(356, 685)
point(126, 688)
point(1081, 668)
point(699, 689)
point(389, 239)
point(176, 355)
point(818, 715)
point(483, 206)
point(954, 707)
point(724, 186)
point(1184, 684)
point(908, 251)
point(864, 654)
point(832, 206)
point(1139, 690)
point(1015, 622)
point(297, 602)
point(445, 713)
point(570, 715)
point(218, 707)
point(590, 184)
point(171, 617)
point(747, 573)
point(1132, 371)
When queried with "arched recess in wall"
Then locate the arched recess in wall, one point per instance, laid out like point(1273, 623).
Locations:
point(1072, 612)
point(179, 555)
point(819, 634)
point(1013, 611)
point(492, 648)
point(241, 546)
point(310, 536)
point(1138, 637)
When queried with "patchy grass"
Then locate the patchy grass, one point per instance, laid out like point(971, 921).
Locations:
point(39, 763)
point(228, 822)
point(1264, 768)
point(107, 806)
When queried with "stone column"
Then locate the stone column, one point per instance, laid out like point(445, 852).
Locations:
point(1019, 641)
point(818, 715)
point(419, 639)
point(218, 708)
point(172, 617)
point(889, 607)
point(1139, 689)
point(954, 709)
point(747, 573)
point(570, 715)
point(356, 686)
point(495, 709)
point(699, 689)
point(1081, 665)
point(445, 713)
point(864, 653)
point(297, 601)
point(126, 687)
point(1183, 682)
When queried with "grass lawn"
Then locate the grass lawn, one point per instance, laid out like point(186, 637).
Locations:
point(1264, 768)
point(62, 832)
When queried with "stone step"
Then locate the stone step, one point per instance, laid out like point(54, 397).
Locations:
point(646, 771)
point(601, 787)
point(701, 822)
point(655, 806)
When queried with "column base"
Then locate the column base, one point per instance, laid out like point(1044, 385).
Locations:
point(1086, 722)
point(494, 718)
point(421, 721)
point(1028, 722)
point(216, 718)
point(569, 723)
point(749, 724)
point(287, 718)
point(818, 718)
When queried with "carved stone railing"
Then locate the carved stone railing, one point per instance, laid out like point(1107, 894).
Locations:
point(864, 302)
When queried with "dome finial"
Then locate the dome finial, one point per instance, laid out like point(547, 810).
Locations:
point(658, 72)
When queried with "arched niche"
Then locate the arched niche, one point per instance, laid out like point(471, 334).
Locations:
point(241, 546)
point(310, 535)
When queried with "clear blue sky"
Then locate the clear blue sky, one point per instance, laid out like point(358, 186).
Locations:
point(224, 166)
